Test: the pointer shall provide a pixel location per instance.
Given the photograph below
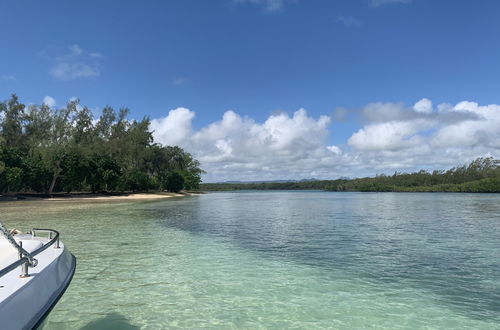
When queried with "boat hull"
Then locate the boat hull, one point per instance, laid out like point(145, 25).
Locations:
point(30, 304)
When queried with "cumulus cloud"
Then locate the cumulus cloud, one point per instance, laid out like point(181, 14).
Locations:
point(424, 137)
point(424, 106)
point(393, 137)
point(378, 3)
point(74, 63)
point(175, 128)
point(238, 148)
point(50, 101)
point(483, 132)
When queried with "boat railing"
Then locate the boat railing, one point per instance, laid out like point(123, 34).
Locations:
point(26, 260)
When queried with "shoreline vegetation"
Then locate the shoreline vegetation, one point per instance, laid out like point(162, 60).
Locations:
point(50, 151)
point(480, 176)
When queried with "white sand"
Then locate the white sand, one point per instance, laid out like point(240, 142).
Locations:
point(120, 197)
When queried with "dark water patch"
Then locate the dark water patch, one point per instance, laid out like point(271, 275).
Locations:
point(445, 244)
point(112, 321)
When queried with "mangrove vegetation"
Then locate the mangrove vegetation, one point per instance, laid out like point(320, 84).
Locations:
point(481, 175)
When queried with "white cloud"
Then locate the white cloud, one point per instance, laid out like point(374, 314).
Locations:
point(483, 132)
point(336, 150)
point(50, 101)
point(394, 137)
point(74, 63)
point(409, 138)
point(349, 21)
point(424, 106)
point(268, 5)
point(378, 3)
point(237, 147)
point(174, 129)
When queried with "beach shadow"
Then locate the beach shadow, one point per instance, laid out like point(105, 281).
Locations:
point(112, 321)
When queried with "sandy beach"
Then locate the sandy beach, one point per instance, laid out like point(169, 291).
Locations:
point(138, 196)
point(99, 197)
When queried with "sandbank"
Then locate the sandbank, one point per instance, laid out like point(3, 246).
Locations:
point(139, 196)
point(98, 197)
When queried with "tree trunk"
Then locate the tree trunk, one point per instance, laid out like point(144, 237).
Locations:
point(54, 179)
point(52, 184)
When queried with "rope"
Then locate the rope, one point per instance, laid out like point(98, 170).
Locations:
point(32, 261)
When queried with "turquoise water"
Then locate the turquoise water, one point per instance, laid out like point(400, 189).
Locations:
point(271, 260)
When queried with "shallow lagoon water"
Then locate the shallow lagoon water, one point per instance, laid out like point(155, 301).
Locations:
point(267, 260)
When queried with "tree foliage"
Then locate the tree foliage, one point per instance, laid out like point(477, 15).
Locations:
point(48, 150)
point(174, 182)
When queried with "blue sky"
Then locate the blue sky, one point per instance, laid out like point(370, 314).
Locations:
point(266, 59)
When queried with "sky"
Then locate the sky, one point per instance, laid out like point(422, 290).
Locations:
point(273, 89)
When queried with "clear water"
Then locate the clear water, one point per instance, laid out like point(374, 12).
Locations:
point(270, 260)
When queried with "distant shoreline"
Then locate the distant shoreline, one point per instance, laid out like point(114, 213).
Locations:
point(480, 176)
point(96, 197)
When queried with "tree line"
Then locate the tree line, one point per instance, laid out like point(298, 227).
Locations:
point(48, 150)
point(481, 175)
point(290, 185)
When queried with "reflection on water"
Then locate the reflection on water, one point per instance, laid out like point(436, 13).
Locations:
point(278, 260)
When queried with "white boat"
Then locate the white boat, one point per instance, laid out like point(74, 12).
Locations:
point(35, 271)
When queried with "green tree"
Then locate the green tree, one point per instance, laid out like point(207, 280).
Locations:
point(104, 173)
point(191, 180)
point(51, 150)
point(60, 137)
point(12, 122)
point(175, 182)
point(13, 178)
